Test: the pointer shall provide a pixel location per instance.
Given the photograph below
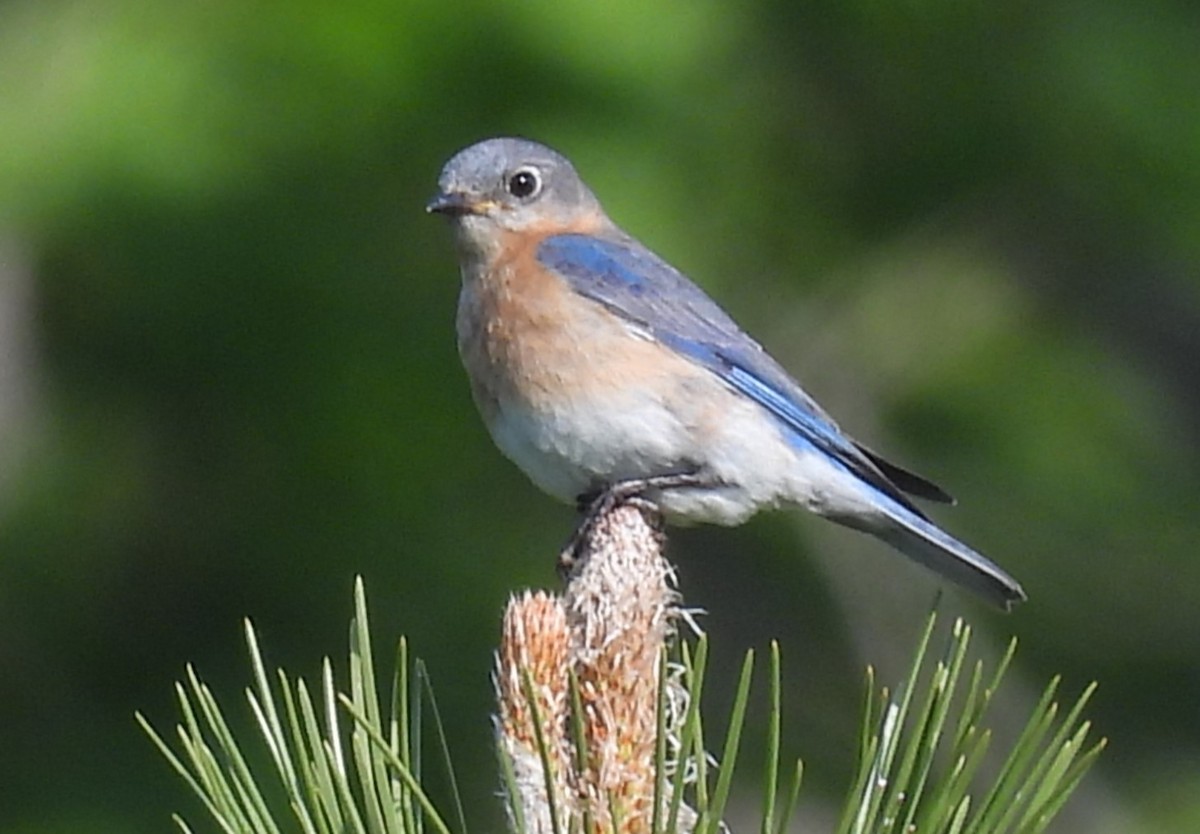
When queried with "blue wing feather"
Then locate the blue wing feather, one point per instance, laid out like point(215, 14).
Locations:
point(645, 290)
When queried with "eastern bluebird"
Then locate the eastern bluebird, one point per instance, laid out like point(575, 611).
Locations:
point(598, 367)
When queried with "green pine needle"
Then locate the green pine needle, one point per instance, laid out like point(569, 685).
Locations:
point(715, 813)
point(920, 751)
point(900, 786)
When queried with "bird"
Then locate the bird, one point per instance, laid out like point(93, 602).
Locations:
point(605, 373)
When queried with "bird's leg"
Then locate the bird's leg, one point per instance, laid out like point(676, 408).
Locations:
point(596, 503)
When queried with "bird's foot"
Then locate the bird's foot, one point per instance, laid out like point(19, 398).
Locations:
point(632, 492)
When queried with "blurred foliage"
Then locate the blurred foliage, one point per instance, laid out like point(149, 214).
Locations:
point(228, 379)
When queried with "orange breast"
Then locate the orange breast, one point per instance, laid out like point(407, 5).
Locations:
point(529, 341)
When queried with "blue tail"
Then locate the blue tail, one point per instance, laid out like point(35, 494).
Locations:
point(926, 543)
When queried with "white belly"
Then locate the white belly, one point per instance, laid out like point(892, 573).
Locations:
point(580, 448)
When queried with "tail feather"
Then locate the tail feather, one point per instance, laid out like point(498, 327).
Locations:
point(926, 543)
point(906, 480)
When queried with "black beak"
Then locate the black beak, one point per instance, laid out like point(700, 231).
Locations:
point(453, 204)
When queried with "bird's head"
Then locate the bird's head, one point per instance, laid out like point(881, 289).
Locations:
point(511, 185)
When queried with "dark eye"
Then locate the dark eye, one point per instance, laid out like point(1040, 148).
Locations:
point(524, 182)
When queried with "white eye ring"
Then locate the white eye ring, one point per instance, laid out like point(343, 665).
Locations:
point(525, 183)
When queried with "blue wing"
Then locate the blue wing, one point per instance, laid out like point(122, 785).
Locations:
point(642, 288)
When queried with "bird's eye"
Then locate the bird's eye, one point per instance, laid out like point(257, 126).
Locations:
point(524, 183)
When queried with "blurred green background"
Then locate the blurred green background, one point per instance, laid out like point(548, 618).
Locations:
point(228, 379)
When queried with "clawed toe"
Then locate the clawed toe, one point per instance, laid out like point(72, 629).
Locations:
point(597, 503)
